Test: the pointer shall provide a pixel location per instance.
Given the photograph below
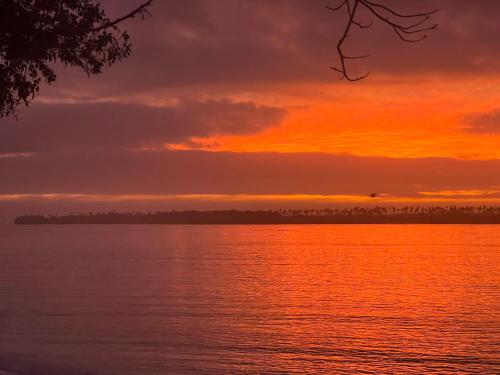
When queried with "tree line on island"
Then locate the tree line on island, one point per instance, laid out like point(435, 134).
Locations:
point(352, 215)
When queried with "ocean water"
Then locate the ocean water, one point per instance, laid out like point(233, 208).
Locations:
point(277, 299)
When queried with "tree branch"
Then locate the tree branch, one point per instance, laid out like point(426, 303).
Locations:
point(351, 11)
point(140, 10)
point(387, 15)
point(414, 15)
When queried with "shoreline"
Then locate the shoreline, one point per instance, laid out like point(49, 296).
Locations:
point(267, 224)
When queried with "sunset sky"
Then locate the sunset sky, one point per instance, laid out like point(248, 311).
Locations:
point(232, 104)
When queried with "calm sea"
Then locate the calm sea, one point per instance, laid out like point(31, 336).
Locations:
point(281, 299)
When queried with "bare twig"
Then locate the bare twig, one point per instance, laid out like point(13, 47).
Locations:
point(139, 11)
point(413, 32)
point(343, 69)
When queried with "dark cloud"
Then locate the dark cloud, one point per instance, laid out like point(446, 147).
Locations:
point(209, 42)
point(488, 123)
point(48, 127)
point(197, 172)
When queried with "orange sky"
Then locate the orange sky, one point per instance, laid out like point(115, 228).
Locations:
point(409, 119)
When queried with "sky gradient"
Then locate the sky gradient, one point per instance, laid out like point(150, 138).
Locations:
point(232, 103)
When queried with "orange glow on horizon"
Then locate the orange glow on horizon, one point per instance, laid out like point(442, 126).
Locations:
point(424, 198)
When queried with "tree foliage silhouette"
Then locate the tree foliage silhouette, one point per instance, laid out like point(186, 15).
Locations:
point(35, 34)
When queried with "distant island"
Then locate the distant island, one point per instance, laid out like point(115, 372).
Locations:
point(353, 215)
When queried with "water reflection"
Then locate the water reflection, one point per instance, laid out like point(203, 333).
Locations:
point(209, 299)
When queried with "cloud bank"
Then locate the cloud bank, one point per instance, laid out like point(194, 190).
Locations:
point(90, 126)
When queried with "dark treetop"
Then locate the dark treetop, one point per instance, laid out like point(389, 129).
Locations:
point(355, 215)
point(36, 34)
